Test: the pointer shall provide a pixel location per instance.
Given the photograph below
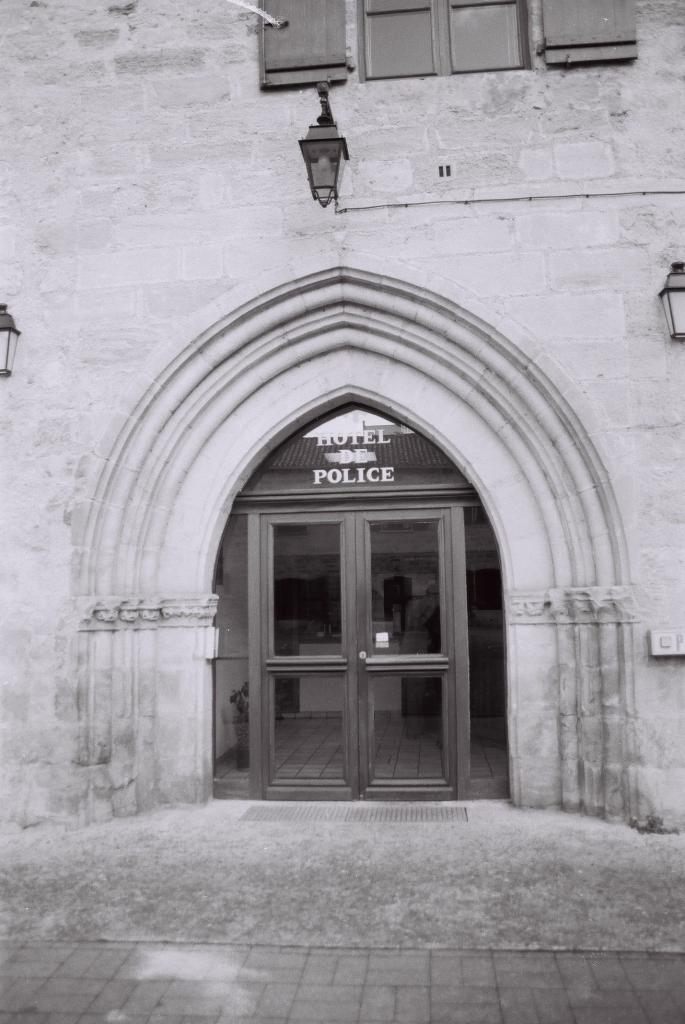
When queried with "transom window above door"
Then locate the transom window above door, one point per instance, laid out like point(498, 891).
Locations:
point(405, 38)
point(355, 450)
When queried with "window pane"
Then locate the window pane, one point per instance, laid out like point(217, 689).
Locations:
point(399, 44)
point(405, 587)
point(484, 37)
point(308, 728)
point(406, 714)
point(307, 607)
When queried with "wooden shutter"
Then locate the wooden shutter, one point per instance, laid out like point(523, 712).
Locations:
point(585, 31)
point(309, 47)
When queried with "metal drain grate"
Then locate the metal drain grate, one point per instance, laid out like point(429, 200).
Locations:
point(391, 813)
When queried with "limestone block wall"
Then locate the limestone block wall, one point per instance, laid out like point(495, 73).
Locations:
point(148, 183)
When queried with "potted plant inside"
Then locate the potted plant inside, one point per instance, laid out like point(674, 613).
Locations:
point(240, 699)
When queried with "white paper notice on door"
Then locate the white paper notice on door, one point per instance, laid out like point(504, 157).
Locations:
point(382, 640)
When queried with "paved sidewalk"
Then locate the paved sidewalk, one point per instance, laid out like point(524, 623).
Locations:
point(155, 983)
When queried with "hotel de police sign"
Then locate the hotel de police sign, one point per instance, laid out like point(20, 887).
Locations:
point(350, 463)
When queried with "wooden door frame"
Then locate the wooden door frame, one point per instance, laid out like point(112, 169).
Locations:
point(453, 666)
point(441, 665)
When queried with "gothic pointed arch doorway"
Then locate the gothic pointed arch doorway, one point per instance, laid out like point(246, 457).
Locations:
point(156, 494)
point(360, 623)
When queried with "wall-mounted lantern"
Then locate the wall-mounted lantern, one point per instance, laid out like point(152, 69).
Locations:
point(9, 335)
point(324, 152)
point(673, 297)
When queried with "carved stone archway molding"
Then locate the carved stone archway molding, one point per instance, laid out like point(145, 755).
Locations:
point(569, 605)
point(158, 492)
point(149, 613)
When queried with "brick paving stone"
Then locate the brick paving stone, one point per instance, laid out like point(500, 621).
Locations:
point(193, 1019)
point(611, 1015)
point(76, 965)
point(242, 1000)
point(518, 1006)
point(661, 1007)
point(145, 997)
point(276, 1000)
point(20, 994)
point(250, 1020)
point(65, 986)
point(608, 971)
point(678, 997)
point(67, 1002)
point(647, 973)
point(35, 968)
point(405, 968)
point(54, 952)
point(412, 1004)
point(471, 1013)
point(602, 997)
point(608, 1006)
point(188, 963)
point(378, 1003)
point(115, 1018)
point(534, 970)
point(553, 1006)
point(200, 1008)
point(158, 1017)
point(112, 996)
point(32, 1017)
point(131, 968)
point(448, 1002)
point(575, 972)
point(526, 960)
point(320, 968)
point(327, 1002)
point(106, 964)
point(185, 989)
point(445, 968)
point(273, 966)
point(202, 998)
point(478, 969)
point(351, 969)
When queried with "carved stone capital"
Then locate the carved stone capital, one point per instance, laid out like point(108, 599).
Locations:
point(569, 605)
point(196, 611)
point(115, 613)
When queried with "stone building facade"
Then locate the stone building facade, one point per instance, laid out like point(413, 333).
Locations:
point(185, 307)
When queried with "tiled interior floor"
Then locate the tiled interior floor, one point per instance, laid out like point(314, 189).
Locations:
point(406, 748)
point(489, 748)
point(309, 748)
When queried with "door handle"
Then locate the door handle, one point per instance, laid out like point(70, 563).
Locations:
point(362, 655)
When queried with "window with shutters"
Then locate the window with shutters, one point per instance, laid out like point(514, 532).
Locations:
point(403, 38)
point(308, 46)
point(588, 31)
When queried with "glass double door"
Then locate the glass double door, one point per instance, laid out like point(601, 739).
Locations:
point(362, 662)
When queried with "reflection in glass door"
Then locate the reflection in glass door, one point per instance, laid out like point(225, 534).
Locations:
point(407, 664)
point(308, 690)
